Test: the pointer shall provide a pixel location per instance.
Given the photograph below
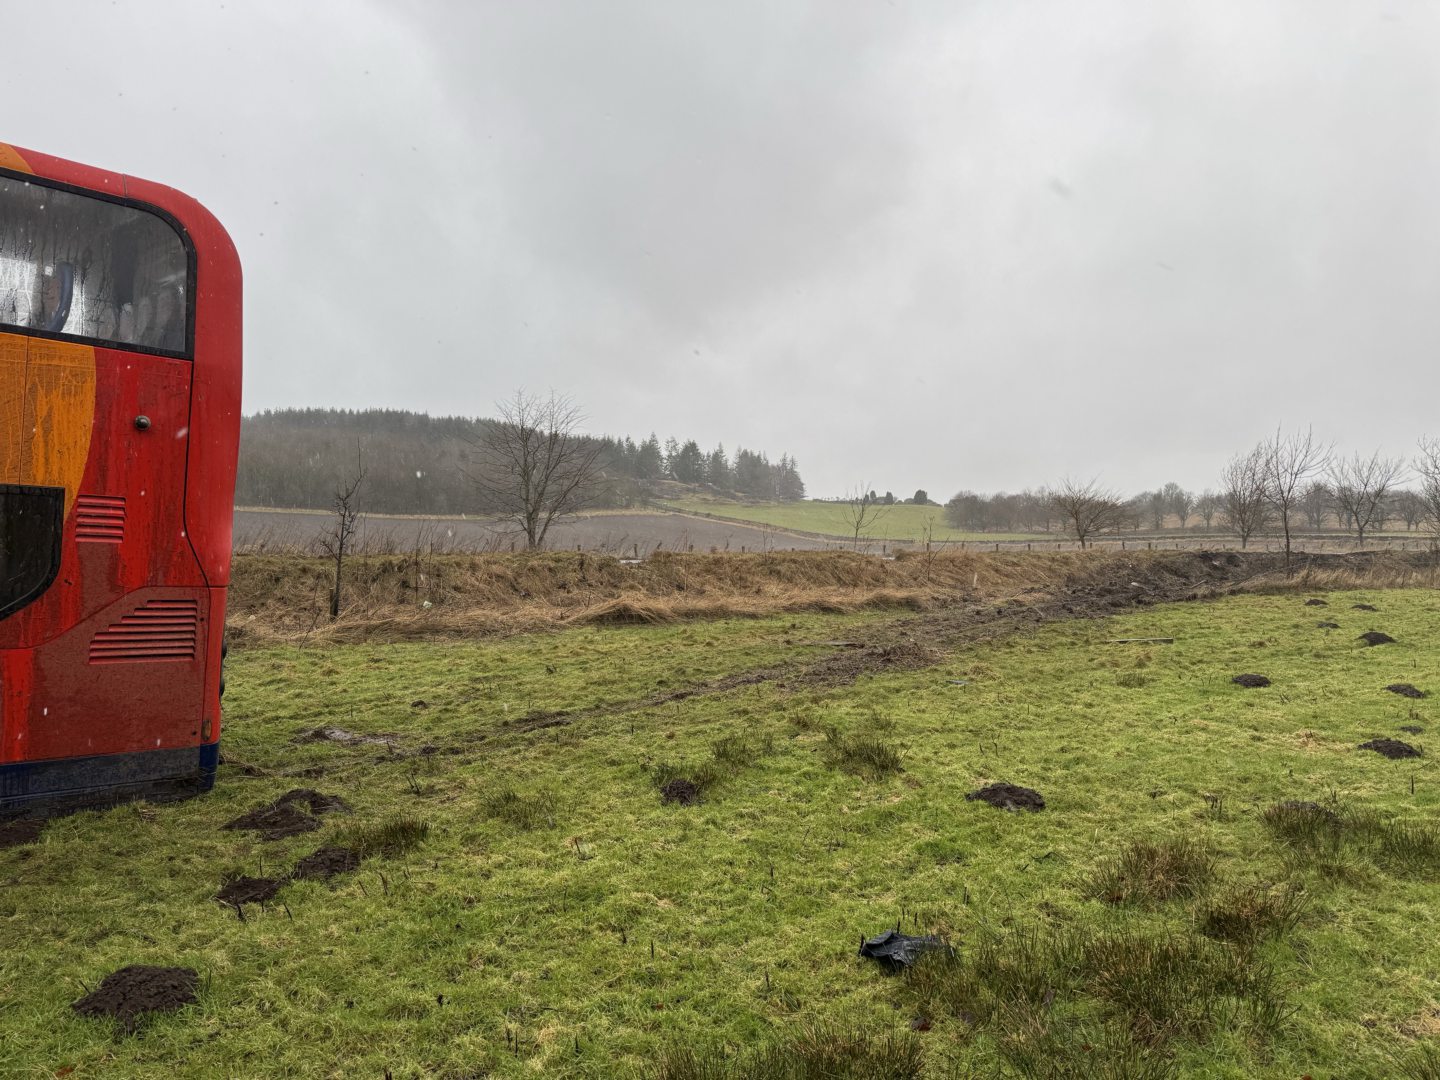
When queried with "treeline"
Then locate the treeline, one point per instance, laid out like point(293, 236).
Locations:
point(420, 464)
point(1283, 483)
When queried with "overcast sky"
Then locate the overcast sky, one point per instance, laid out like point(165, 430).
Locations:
point(951, 244)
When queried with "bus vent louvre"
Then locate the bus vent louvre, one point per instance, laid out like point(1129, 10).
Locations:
point(159, 631)
point(99, 519)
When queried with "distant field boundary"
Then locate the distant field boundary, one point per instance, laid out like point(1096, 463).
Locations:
point(1204, 541)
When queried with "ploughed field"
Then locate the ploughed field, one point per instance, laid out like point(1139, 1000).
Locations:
point(654, 850)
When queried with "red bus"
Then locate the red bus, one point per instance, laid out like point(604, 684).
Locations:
point(119, 430)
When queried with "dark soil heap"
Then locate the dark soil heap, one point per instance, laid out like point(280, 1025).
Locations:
point(1317, 603)
point(1412, 729)
point(681, 791)
point(1404, 689)
point(1363, 607)
point(1328, 625)
point(1375, 637)
point(138, 989)
point(1250, 680)
point(248, 890)
point(17, 831)
point(324, 863)
point(1391, 748)
point(284, 817)
point(1011, 797)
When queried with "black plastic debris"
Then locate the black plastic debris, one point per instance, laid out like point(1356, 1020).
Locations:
point(895, 951)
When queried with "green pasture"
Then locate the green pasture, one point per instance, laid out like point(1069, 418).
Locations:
point(560, 919)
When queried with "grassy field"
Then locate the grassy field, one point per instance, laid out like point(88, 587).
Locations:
point(899, 522)
point(1157, 918)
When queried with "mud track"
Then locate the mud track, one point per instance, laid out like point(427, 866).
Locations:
point(920, 641)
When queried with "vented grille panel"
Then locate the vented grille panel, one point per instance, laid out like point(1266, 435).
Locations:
point(99, 519)
point(160, 631)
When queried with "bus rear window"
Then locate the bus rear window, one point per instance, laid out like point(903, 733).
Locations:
point(90, 268)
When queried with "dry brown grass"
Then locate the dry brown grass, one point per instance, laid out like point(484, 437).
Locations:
point(284, 597)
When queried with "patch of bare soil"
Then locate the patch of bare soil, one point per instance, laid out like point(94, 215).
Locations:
point(248, 890)
point(284, 817)
point(1317, 603)
point(1010, 797)
point(17, 831)
point(1250, 680)
point(1391, 748)
point(132, 992)
point(1404, 689)
point(1412, 729)
point(326, 862)
point(1328, 625)
point(682, 791)
point(1363, 607)
point(1375, 637)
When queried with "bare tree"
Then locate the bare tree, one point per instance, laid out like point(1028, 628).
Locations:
point(336, 542)
point(1427, 469)
point(1178, 501)
point(533, 466)
point(1207, 506)
point(1290, 461)
point(1361, 487)
point(1087, 508)
point(1242, 495)
point(1315, 500)
point(862, 511)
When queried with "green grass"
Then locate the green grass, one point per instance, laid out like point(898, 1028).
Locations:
point(559, 918)
point(899, 522)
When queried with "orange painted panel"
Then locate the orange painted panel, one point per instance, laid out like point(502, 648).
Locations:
point(59, 415)
point(12, 406)
point(10, 159)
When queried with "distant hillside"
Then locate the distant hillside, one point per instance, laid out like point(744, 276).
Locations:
point(416, 464)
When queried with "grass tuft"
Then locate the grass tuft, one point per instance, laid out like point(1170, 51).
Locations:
point(1146, 872)
point(864, 755)
point(1247, 915)
point(393, 836)
point(1321, 836)
point(523, 810)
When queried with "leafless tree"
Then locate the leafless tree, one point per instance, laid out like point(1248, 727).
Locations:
point(862, 511)
point(1178, 501)
point(1427, 470)
point(533, 466)
point(1242, 495)
point(1290, 462)
point(1087, 508)
point(1207, 506)
point(1361, 487)
point(1408, 507)
point(1315, 500)
point(336, 542)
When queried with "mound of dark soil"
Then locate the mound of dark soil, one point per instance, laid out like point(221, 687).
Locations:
point(1328, 625)
point(1250, 680)
point(283, 817)
point(1008, 797)
point(1363, 607)
point(1375, 637)
point(1390, 748)
point(275, 822)
point(1404, 689)
point(1317, 603)
point(324, 863)
point(682, 791)
point(248, 890)
point(25, 830)
point(419, 703)
point(1412, 729)
point(138, 989)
